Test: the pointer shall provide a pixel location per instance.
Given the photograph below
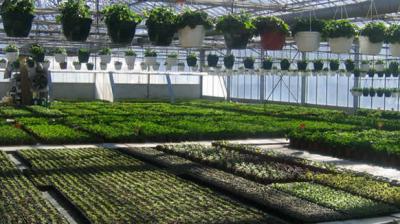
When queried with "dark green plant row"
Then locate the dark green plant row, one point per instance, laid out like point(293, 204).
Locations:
point(374, 146)
point(11, 135)
point(110, 187)
point(20, 201)
point(379, 114)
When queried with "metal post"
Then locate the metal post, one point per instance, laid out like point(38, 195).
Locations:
point(202, 63)
point(356, 84)
point(304, 86)
point(228, 81)
point(262, 80)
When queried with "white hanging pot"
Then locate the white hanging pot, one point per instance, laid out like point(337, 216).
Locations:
point(60, 58)
point(77, 66)
point(356, 93)
point(105, 58)
point(103, 66)
point(131, 67)
point(150, 60)
point(156, 66)
point(143, 66)
point(181, 68)
point(369, 48)
point(168, 67)
point(130, 60)
point(118, 66)
point(395, 49)
point(308, 41)
point(171, 61)
point(189, 37)
point(365, 67)
point(379, 68)
point(12, 56)
point(341, 45)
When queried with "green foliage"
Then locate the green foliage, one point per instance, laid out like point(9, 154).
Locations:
point(248, 62)
point(105, 51)
point(270, 24)
point(38, 52)
point(83, 55)
point(11, 48)
point(307, 25)
point(393, 34)
point(350, 66)
point(60, 50)
point(394, 67)
point(302, 65)
point(267, 63)
point(236, 23)
point(191, 60)
point(150, 53)
point(340, 28)
point(212, 60)
point(73, 10)
point(161, 25)
point(318, 65)
point(193, 18)
point(285, 64)
point(130, 53)
point(18, 7)
point(117, 13)
point(229, 61)
point(334, 64)
point(375, 31)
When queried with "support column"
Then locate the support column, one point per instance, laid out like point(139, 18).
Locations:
point(304, 83)
point(202, 63)
point(228, 80)
point(262, 80)
point(356, 99)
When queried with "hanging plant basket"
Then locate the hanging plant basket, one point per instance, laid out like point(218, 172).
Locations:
point(341, 45)
point(103, 66)
point(189, 37)
point(229, 61)
point(171, 61)
point(395, 49)
point(63, 65)
point(212, 60)
point(130, 60)
point(161, 26)
point(236, 40)
point(238, 29)
point(77, 30)
point(248, 63)
point(307, 41)
point(122, 33)
point(273, 41)
point(17, 25)
point(83, 55)
point(191, 60)
point(105, 58)
point(118, 65)
point(90, 66)
point(369, 48)
point(60, 58)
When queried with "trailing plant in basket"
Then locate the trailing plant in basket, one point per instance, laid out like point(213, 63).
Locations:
point(194, 18)
point(334, 64)
point(60, 50)
point(161, 25)
point(11, 48)
point(105, 51)
point(83, 55)
point(375, 31)
point(339, 28)
point(285, 64)
point(17, 17)
point(130, 53)
point(318, 65)
point(302, 65)
point(191, 60)
point(150, 53)
point(248, 62)
point(212, 60)
point(393, 34)
point(267, 63)
point(305, 25)
point(265, 24)
point(394, 68)
point(350, 66)
point(121, 22)
point(229, 61)
point(75, 19)
point(238, 29)
point(37, 52)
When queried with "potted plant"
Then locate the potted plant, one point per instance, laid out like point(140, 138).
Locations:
point(267, 63)
point(77, 65)
point(364, 66)
point(371, 73)
point(75, 19)
point(248, 62)
point(340, 34)
point(229, 61)
point(90, 66)
point(394, 68)
point(237, 30)
point(356, 91)
point(212, 60)
point(118, 65)
point(372, 92)
point(371, 38)
point(302, 65)
point(192, 26)
point(365, 92)
point(156, 66)
point(380, 92)
point(349, 64)
point(181, 66)
point(105, 55)
point(150, 57)
point(272, 30)
point(46, 64)
point(395, 92)
point(307, 34)
point(37, 52)
point(318, 65)
point(130, 57)
point(357, 72)
point(387, 92)
point(393, 38)
point(143, 66)
point(285, 64)
point(17, 16)
point(83, 55)
point(60, 55)
point(3, 63)
point(172, 59)
point(334, 65)
point(103, 65)
point(161, 25)
point(12, 52)
point(191, 60)
point(379, 66)
point(63, 65)
point(131, 67)
point(121, 22)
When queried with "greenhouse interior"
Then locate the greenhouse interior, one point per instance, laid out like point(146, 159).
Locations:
point(199, 111)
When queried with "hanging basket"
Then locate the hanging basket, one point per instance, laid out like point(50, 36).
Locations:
point(341, 45)
point(130, 60)
point(369, 48)
point(236, 40)
point(395, 49)
point(118, 65)
point(150, 60)
point(12, 56)
point(105, 58)
point(17, 25)
point(307, 41)
point(63, 65)
point(103, 66)
point(273, 41)
point(76, 29)
point(189, 37)
point(60, 58)
point(122, 32)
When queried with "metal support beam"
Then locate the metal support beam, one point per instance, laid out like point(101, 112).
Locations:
point(202, 63)
point(262, 81)
point(304, 84)
point(356, 99)
point(228, 81)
